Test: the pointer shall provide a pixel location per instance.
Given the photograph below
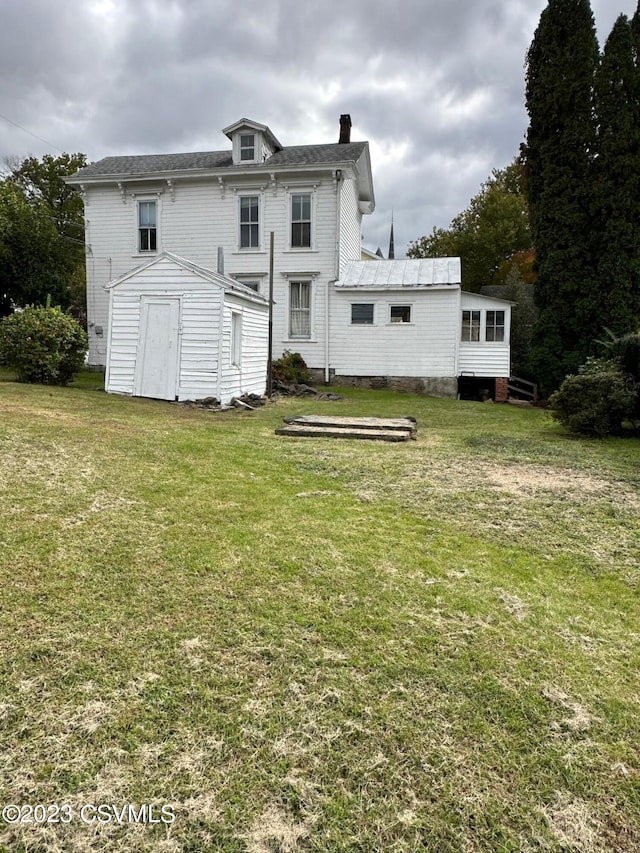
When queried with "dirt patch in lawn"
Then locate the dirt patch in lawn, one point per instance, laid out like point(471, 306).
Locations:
point(528, 480)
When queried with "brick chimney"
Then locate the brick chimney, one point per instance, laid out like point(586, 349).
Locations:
point(345, 128)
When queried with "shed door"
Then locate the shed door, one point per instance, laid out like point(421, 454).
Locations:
point(157, 362)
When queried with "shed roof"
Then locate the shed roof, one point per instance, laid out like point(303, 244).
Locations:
point(391, 275)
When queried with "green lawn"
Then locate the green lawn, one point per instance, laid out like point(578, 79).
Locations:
point(314, 644)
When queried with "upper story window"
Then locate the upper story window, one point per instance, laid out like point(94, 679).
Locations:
point(301, 220)
point(249, 222)
point(147, 226)
point(247, 146)
point(470, 325)
point(495, 326)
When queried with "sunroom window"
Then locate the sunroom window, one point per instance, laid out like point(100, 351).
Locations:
point(495, 326)
point(470, 325)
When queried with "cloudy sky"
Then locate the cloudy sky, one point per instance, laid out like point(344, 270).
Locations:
point(436, 86)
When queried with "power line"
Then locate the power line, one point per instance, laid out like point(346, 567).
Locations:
point(35, 135)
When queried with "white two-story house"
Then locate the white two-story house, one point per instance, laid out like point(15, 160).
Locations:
point(311, 197)
point(171, 236)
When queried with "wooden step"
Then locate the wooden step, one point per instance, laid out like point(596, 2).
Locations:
point(320, 426)
point(369, 433)
point(401, 424)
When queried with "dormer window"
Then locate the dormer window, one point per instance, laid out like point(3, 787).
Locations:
point(252, 142)
point(247, 146)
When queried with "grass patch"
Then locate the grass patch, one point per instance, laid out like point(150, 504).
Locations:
point(312, 645)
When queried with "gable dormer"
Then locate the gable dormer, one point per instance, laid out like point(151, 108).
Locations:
point(251, 142)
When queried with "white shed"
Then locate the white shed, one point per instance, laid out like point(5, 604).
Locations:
point(178, 331)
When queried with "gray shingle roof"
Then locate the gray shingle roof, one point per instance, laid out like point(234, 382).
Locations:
point(148, 164)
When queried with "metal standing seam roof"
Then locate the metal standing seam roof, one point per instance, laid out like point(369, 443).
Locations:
point(384, 275)
point(149, 164)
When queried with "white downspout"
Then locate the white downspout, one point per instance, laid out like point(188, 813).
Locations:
point(338, 185)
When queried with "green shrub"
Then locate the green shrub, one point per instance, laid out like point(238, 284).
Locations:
point(626, 351)
point(42, 345)
point(290, 367)
point(596, 401)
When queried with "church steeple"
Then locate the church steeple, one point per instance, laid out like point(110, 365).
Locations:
point(392, 253)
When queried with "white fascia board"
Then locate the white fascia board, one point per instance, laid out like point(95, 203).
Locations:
point(228, 172)
point(364, 178)
point(395, 288)
point(487, 298)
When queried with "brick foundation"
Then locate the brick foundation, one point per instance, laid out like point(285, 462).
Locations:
point(502, 389)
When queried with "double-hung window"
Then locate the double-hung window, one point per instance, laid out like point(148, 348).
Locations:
point(301, 220)
point(249, 222)
point(470, 325)
point(495, 326)
point(147, 226)
point(300, 309)
point(247, 146)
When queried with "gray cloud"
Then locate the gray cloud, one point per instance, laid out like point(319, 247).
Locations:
point(436, 87)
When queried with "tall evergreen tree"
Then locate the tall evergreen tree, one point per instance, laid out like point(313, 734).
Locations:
point(559, 150)
point(616, 184)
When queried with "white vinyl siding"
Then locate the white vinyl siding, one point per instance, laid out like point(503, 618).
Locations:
point(350, 228)
point(124, 346)
point(425, 347)
point(250, 377)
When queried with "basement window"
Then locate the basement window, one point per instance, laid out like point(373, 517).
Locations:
point(400, 314)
